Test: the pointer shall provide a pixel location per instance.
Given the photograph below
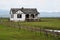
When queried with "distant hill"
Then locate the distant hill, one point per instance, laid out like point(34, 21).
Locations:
point(5, 13)
point(49, 14)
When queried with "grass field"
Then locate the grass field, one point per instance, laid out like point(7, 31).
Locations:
point(50, 23)
point(8, 32)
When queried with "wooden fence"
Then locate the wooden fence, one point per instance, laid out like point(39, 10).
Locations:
point(33, 29)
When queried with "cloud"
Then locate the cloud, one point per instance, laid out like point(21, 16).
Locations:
point(41, 5)
point(6, 4)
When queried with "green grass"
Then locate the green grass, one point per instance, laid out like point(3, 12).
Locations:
point(53, 23)
point(50, 23)
point(10, 33)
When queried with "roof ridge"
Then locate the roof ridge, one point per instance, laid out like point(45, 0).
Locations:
point(23, 8)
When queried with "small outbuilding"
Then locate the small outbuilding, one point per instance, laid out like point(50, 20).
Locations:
point(24, 14)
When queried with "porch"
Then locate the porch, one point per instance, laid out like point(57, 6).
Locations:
point(32, 17)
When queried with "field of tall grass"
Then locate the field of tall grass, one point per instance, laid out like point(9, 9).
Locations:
point(50, 23)
point(8, 30)
point(10, 33)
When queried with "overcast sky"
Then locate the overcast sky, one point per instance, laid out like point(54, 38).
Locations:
point(41, 5)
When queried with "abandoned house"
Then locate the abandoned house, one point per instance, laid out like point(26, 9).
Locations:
point(24, 14)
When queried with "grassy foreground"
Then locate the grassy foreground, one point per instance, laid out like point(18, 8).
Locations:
point(8, 32)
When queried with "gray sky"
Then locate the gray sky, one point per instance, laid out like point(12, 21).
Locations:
point(41, 5)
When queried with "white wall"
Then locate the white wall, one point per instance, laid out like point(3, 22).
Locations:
point(18, 19)
point(15, 16)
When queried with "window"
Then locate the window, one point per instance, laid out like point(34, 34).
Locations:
point(27, 15)
point(32, 15)
point(12, 16)
point(19, 16)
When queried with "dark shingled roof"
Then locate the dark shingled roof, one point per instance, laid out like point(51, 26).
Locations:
point(25, 10)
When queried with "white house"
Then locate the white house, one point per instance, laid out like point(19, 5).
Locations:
point(23, 14)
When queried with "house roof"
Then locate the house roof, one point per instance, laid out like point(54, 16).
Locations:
point(25, 10)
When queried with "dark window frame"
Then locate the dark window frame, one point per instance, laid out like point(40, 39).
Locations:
point(32, 15)
point(19, 15)
point(27, 15)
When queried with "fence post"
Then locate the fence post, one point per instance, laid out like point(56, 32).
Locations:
point(19, 26)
